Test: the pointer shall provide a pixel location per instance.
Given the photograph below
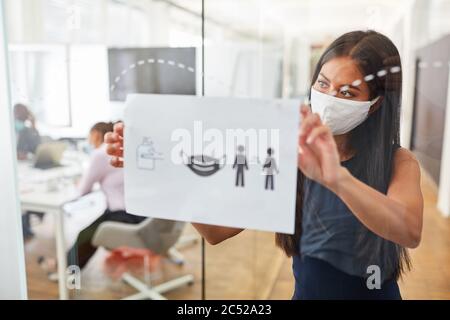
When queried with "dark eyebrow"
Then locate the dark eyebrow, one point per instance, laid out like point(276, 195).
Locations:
point(345, 85)
point(324, 76)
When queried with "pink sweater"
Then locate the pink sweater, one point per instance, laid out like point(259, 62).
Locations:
point(109, 178)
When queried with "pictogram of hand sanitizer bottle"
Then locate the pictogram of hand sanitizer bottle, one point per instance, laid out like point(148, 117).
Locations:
point(147, 155)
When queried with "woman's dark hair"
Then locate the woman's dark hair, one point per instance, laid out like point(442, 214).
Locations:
point(103, 128)
point(374, 141)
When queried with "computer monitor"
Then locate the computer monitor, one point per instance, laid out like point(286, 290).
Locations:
point(49, 154)
point(151, 70)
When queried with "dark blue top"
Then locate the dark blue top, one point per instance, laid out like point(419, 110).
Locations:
point(332, 233)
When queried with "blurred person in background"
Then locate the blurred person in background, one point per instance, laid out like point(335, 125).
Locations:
point(111, 184)
point(27, 135)
point(27, 141)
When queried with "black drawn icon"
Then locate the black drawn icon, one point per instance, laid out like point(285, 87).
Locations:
point(203, 165)
point(240, 164)
point(147, 155)
point(270, 168)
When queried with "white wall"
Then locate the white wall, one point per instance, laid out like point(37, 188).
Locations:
point(424, 21)
point(408, 65)
point(444, 181)
point(12, 265)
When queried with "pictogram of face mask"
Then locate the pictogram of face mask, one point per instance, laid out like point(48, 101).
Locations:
point(340, 115)
point(203, 165)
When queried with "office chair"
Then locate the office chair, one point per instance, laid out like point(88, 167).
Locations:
point(162, 237)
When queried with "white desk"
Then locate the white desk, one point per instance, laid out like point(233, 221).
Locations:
point(48, 191)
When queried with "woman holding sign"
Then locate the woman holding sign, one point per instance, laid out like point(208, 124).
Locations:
point(359, 202)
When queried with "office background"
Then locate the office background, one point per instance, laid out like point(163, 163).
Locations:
point(58, 53)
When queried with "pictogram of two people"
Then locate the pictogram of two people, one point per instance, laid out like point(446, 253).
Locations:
point(269, 167)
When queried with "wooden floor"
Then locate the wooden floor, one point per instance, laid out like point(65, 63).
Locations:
point(430, 277)
point(248, 266)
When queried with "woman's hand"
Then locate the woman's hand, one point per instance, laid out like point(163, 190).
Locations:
point(318, 155)
point(114, 141)
point(32, 120)
point(395, 216)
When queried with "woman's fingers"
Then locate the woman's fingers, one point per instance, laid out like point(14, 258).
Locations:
point(308, 163)
point(116, 162)
point(116, 135)
point(329, 158)
point(118, 128)
point(321, 142)
point(114, 141)
point(115, 149)
point(111, 137)
point(309, 122)
point(305, 110)
point(316, 132)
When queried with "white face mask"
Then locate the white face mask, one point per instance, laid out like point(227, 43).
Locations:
point(341, 115)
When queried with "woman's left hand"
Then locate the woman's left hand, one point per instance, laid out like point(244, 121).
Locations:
point(395, 216)
point(318, 154)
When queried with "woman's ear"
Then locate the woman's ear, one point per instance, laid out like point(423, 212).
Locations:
point(376, 105)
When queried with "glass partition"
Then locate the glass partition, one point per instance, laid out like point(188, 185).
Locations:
point(73, 62)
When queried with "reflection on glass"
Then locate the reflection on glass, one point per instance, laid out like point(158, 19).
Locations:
point(65, 79)
point(39, 75)
point(62, 83)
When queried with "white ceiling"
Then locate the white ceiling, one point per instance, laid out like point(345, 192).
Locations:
point(306, 17)
point(314, 19)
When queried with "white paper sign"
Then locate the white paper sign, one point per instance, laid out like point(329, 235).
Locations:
point(219, 161)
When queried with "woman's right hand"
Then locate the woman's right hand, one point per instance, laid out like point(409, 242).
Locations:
point(114, 142)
